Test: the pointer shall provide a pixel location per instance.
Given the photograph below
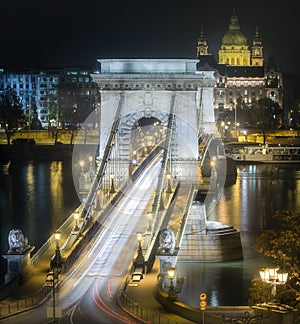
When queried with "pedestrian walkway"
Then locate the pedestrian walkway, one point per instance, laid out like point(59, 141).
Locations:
point(142, 301)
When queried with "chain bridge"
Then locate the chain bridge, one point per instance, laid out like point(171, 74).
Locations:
point(158, 109)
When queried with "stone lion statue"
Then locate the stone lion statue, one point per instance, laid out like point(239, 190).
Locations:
point(17, 241)
point(167, 241)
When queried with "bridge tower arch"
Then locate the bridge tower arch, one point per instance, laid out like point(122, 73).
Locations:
point(140, 88)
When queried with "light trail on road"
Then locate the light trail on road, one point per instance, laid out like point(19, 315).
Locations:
point(113, 250)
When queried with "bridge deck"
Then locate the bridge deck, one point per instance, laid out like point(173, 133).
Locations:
point(178, 207)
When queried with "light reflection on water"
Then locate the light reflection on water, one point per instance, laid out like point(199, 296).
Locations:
point(36, 197)
point(248, 205)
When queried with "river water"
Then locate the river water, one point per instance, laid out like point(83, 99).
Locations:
point(260, 190)
point(37, 196)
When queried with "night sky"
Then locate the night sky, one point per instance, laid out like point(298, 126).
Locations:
point(60, 33)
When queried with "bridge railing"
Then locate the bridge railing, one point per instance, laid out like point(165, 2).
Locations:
point(8, 308)
point(144, 315)
point(64, 229)
point(181, 228)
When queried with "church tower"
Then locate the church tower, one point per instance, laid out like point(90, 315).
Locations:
point(202, 47)
point(257, 50)
point(234, 49)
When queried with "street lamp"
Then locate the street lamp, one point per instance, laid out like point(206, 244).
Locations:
point(76, 217)
point(213, 174)
point(222, 129)
point(51, 279)
point(81, 163)
point(139, 261)
point(55, 267)
point(91, 169)
point(169, 189)
point(213, 162)
point(274, 277)
point(143, 150)
point(134, 158)
point(235, 116)
point(81, 176)
point(171, 275)
point(112, 187)
point(57, 261)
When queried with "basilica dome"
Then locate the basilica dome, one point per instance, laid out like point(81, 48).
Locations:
point(234, 36)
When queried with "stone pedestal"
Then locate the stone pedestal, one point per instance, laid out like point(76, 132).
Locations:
point(166, 261)
point(18, 264)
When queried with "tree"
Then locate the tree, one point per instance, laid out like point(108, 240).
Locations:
point(11, 113)
point(35, 122)
point(75, 105)
point(54, 110)
point(262, 116)
point(282, 245)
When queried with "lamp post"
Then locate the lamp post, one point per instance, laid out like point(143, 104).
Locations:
point(112, 187)
point(76, 217)
point(55, 265)
point(91, 169)
point(222, 129)
point(81, 176)
point(213, 173)
point(143, 150)
point(171, 275)
point(134, 158)
point(274, 277)
point(139, 260)
point(57, 251)
point(235, 116)
point(51, 279)
point(169, 189)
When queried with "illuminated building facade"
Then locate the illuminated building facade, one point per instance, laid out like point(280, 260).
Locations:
point(36, 90)
point(242, 74)
point(39, 90)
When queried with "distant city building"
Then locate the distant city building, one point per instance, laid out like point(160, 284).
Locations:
point(39, 90)
point(242, 77)
point(25, 84)
point(242, 74)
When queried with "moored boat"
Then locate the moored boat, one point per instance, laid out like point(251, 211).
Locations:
point(263, 153)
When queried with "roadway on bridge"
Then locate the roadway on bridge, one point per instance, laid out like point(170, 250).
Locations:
point(87, 294)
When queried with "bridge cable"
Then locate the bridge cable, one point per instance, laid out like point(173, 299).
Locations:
point(100, 173)
point(158, 199)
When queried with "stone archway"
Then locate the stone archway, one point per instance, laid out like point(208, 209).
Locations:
point(124, 140)
point(137, 88)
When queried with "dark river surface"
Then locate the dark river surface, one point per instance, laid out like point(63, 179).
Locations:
point(37, 196)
